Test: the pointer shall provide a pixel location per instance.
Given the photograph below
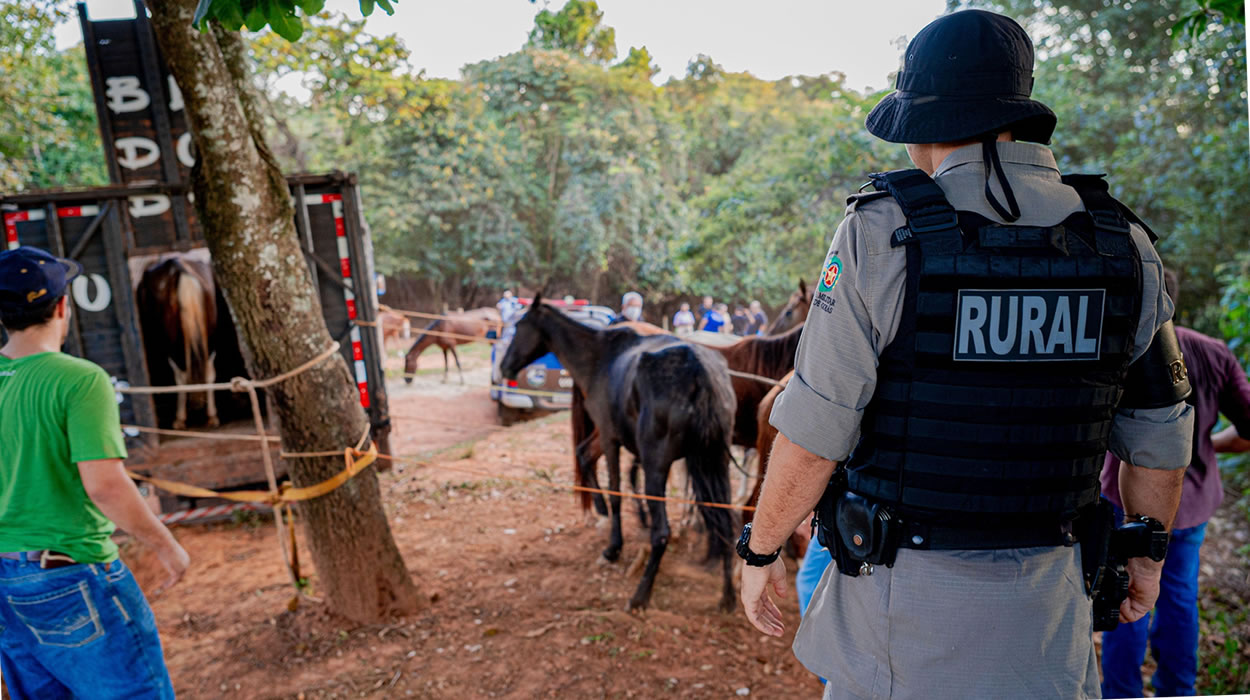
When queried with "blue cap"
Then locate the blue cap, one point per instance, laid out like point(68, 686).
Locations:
point(30, 278)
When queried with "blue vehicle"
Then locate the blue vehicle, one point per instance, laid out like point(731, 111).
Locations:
point(544, 385)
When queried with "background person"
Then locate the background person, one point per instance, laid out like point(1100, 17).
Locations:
point(713, 321)
point(631, 307)
point(741, 322)
point(982, 599)
point(704, 308)
point(683, 320)
point(74, 621)
point(759, 319)
point(1171, 632)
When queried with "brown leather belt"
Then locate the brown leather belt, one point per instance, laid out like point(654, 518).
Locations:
point(45, 558)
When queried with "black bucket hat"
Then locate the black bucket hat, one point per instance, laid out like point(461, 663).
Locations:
point(965, 75)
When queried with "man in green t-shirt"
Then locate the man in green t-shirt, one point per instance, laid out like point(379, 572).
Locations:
point(73, 622)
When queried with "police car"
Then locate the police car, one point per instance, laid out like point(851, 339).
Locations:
point(544, 385)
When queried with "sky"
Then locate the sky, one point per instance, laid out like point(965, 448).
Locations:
point(770, 39)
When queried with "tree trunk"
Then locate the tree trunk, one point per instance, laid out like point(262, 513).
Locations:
point(245, 212)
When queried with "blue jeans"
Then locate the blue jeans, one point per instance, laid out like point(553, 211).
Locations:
point(79, 631)
point(1171, 630)
point(815, 561)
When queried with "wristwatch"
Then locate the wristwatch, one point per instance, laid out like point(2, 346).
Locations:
point(751, 558)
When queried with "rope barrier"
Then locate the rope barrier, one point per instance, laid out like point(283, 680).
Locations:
point(237, 384)
point(200, 434)
point(279, 497)
point(756, 377)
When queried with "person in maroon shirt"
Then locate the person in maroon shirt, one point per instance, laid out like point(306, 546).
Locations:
point(1220, 386)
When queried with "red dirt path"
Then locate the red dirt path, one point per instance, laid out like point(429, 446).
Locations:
point(519, 607)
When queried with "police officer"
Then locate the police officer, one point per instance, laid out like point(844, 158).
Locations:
point(982, 331)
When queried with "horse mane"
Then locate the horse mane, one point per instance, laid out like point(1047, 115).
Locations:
point(768, 356)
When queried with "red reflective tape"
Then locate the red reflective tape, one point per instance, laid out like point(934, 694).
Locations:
point(364, 394)
point(69, 211)
point(346, 266)
point(10, 232)
point(357, 352)
point(351, 308)
point(327, 198)
point(339, 230)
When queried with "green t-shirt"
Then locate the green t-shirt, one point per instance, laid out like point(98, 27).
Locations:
point(55, 411)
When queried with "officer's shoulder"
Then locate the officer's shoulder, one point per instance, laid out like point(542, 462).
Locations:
point(861, 200)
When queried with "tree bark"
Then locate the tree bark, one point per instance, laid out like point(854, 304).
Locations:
point(246, 215)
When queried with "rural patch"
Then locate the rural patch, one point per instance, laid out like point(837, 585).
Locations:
point(830, 274)
point(1028, 325)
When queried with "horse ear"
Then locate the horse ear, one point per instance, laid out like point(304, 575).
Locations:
point(802, 287)
point(538, 299)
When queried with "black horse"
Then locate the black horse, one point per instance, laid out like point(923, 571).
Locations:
point(658, 397)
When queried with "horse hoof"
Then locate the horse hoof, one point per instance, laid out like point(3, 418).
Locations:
point(636, 606)
point(213, 422)
point(727, 605)
point(180, 425)
point(611, 555)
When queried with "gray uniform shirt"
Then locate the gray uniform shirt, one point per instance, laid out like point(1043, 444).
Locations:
point(996, 623)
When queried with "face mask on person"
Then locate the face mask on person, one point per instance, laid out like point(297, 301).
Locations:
point(633, 313)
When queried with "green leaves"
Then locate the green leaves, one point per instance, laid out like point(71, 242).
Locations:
point(283, 16)
point(1194, 24)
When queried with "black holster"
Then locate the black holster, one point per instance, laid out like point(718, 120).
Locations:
point(857, 532)
point(1105, 548)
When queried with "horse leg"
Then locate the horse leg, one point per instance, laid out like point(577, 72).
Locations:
point(749, 459)
point(588, 453)
point(612, 451)
point(210, 376)
point(446, 367)
point(634, 468)
point(456, 355)
point(180, 415)
point(655, 473)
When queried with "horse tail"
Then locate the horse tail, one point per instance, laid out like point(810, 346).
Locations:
point(193, 318)
point(707, 459)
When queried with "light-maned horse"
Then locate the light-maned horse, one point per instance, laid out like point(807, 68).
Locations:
point(394, 327)
point(659, 397)
point(793, 313)
point(177, 305)
point(464, 327)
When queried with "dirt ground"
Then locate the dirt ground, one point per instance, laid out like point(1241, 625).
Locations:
point(518, 604)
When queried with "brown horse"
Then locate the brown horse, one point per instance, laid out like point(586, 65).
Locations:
point(797, 543)
point(769, 357)
point(793, 313)
point(463, 327)
point(176, 299)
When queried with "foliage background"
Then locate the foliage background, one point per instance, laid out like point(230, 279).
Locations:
point(562, 164)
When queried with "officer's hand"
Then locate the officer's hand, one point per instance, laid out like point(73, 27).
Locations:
point(760, 609)
point(1143, 588)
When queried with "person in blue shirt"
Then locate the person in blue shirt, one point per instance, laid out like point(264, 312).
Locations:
point(713, 320)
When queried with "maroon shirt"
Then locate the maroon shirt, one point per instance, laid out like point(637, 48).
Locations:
point(1220, 386)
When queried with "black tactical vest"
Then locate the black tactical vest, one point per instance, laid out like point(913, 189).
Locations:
point(994, 402)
